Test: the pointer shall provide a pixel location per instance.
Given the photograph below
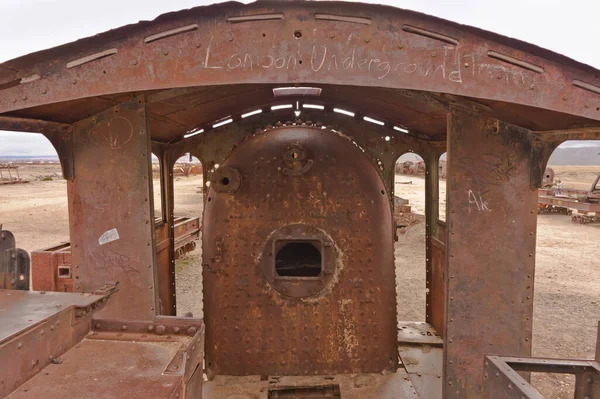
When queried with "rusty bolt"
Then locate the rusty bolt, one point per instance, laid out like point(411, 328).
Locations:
point(160, 329)
point(331, 35)
point(19, 345)
point(165, 52)
point(124, 327)
point(150, 328)
point(192, 331)
point(176, 330)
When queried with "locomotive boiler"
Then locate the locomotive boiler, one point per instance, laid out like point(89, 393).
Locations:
point(298, 258)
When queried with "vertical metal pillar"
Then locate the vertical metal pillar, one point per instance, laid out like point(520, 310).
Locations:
point(110, 208)
point(434, 246)
point(164, 247)
point(490, 257)
point(168, 163)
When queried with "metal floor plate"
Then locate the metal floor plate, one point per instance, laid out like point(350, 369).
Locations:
point(126, 370)
point(20, 310)
point(418, 333)
point(424, 365)
point(352, 386)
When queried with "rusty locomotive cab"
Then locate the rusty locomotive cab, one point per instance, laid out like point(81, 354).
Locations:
point(298, 112)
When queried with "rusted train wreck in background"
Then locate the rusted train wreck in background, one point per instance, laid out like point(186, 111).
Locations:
point(298, 112)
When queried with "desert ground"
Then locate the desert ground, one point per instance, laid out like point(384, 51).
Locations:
point(567, 279)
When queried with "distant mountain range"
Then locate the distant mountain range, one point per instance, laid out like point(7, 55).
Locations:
point(28, 158)
point(575, 156)
point(561, 156)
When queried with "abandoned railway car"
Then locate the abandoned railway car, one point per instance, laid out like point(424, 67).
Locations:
point(298, 112)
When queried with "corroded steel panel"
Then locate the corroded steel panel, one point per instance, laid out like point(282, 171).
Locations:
point(110, 205)
point(298, 183)
point(490, 250)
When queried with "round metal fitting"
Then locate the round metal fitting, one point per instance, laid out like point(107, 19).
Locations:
point(296, 160)
point(226, 179)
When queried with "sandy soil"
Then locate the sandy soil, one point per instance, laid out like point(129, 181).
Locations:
point(567, 284)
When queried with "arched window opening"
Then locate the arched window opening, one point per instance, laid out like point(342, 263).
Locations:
point(188, 205)
point(157, 189)
point(409, 215)
point(34, 197)
point(567, 285)
point(442, 171)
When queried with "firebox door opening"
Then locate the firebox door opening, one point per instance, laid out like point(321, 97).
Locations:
point(298, 259)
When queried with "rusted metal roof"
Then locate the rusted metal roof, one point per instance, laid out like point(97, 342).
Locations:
point(200, 65)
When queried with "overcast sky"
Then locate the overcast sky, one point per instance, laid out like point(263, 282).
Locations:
point(567, 27)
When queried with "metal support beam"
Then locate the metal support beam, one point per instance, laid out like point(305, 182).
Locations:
point(166, 271)
point(16, 124)
point(435, 247)
point(489, 279)
point(110, 208)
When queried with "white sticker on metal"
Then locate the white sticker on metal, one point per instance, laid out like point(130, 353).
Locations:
point(108, 236)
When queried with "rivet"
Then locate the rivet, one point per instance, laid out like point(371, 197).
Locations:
point(160, 329)
point(331, 35)
point(124, 327)
point(166, 52)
